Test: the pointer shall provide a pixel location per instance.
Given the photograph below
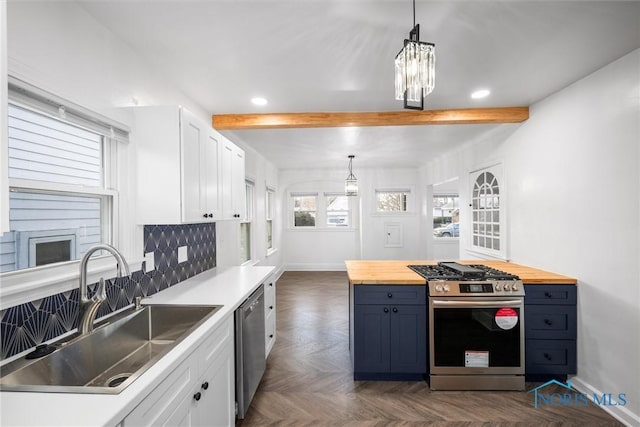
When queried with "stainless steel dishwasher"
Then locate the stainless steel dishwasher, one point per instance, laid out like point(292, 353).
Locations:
point(250, 351)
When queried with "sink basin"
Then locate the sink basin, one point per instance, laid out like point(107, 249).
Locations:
point(111, 357)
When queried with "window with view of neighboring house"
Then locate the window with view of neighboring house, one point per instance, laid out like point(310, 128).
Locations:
point(60, 201)
point(392, 201)
point(446, 215)
point(304, 209)
point(337, 210)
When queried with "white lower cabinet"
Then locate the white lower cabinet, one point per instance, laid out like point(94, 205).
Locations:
point(269, 314)
point(199, 392)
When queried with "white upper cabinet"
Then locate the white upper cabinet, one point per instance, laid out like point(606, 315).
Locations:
point(199, 154)
point(177, 167)
point(232, 179)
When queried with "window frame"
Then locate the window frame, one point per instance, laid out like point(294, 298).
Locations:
point(433, 227)
point(349, 211)
point(321, 212)
point(292, 211)
point(409, 201)
point(248, 217)
point(496, 169)
point(270, 197)
point(21, 286)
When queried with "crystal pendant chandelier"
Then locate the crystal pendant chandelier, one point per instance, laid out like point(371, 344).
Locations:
point(351, 183)
point(415, 68)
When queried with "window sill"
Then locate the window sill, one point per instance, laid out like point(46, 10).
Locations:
point(322, 229)
point(271, 252)
point(391, 214)
point(249, 263)
point(447, 240)
point(19, 287)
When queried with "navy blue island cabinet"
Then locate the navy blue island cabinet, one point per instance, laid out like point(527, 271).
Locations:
point(550, 331)
point(388, 332)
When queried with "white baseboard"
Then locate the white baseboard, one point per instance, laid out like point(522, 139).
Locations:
point(621, 413)
point(315, 267)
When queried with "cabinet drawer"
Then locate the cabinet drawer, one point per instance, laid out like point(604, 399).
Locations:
point(550, 322)
point(550, 294)
point(550, 357)
point(396, 295)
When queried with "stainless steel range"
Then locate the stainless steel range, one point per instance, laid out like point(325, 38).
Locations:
point(476, 327)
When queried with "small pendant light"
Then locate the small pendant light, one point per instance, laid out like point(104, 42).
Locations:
point(351, 183)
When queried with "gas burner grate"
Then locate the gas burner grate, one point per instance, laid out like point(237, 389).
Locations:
point(448, 271)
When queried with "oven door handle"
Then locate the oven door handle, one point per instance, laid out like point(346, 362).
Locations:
point(502, 303)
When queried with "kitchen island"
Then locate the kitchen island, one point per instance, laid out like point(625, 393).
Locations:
point(389, 318)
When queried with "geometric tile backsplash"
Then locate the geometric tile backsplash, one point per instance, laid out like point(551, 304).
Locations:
point(27, 325)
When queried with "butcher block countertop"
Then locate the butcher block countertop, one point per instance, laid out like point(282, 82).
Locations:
point(362, 272)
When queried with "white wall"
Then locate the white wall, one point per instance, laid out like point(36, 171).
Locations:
point(328, 249)
point(573, 203)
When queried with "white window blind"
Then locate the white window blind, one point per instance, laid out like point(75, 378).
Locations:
point(46, 149)
point(49, 104)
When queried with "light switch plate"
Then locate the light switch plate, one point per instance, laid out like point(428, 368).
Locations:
point(149, 262)
point(182, 254)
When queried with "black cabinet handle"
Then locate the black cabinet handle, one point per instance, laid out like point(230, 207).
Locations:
point(271, 336)
point(386, 310)
point(390, 295)
point(205, 215)
point(271, 307)
point(205, 385)
point(197, 396)
point(210, 215)
point(548, 294)
point(270, 284)
point(547, 356)
point(395, 309)
point(548, 322)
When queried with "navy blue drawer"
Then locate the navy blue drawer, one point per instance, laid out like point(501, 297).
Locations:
point(550, 357)
point(550, 322)
point(387, 294)
point(550, 294)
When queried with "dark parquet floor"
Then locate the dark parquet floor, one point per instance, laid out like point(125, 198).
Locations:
point(308, 381)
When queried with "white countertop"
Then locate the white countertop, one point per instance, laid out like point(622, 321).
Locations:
point(229, 287)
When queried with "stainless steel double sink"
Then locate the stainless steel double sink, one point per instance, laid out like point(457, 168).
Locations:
point(111, 357)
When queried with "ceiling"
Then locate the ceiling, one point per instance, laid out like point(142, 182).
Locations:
point(337, 55)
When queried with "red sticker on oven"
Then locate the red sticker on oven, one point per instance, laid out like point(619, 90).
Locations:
point(506, 318)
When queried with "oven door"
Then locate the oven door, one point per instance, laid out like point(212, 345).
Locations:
point(476, 335)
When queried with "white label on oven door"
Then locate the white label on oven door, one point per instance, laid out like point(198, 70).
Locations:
point(476, 359)
point(506, 318)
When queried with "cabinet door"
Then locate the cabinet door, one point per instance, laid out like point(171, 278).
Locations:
point(408, 335)
point(216, 406)
point(192, 168)
point(226, 170)
point(238, 189)
point(371, 338)
point(232, 187)
point(210, 177)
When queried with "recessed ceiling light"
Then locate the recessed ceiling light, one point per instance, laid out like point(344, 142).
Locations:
point(258, 101)
point(482, 93)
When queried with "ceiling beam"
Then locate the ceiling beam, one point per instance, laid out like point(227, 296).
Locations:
point(381, 118)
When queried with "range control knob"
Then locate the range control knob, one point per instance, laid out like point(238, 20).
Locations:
point(498, 286)
point(439, 288)
point(445, 288)
point(514, 287)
